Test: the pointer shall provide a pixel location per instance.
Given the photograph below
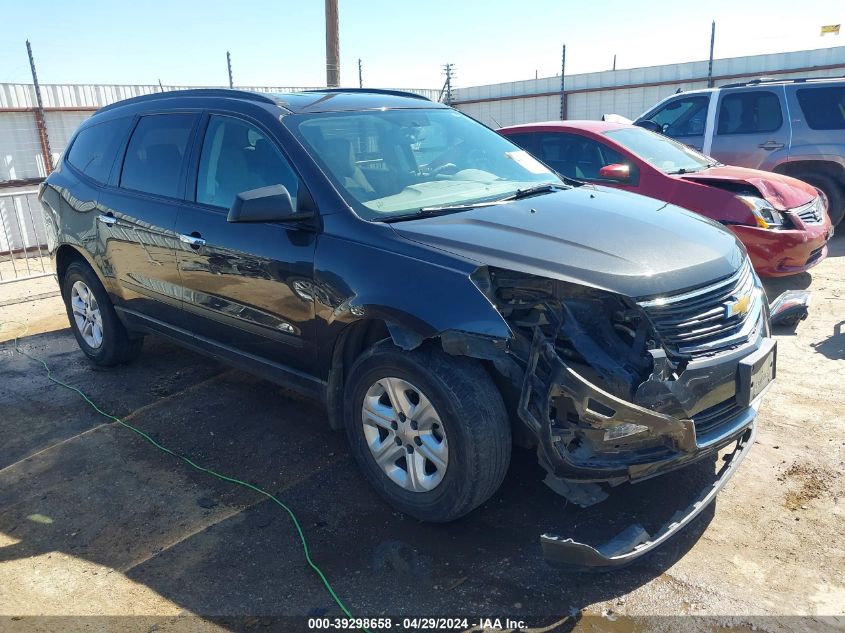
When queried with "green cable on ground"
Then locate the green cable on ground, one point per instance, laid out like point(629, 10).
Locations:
point(191, 463)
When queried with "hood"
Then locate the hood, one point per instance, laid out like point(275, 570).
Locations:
point(782, 192)
point(595, 236)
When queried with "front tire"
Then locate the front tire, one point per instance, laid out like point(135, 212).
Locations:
point(99, 332)
point(428, 430)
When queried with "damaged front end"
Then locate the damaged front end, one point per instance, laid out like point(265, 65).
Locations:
point(616, 389)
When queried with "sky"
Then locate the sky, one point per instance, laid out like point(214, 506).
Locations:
point(402, 43)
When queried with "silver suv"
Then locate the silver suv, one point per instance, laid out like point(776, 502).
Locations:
point(789, 126)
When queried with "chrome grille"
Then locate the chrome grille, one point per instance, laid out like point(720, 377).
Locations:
point(810, 213)
point(700, 321)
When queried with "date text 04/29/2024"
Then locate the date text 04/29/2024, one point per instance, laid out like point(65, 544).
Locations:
point(421, 623)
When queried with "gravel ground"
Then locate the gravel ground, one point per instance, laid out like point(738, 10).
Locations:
point(95, 522)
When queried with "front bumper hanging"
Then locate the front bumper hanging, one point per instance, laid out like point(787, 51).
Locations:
point(635, 542)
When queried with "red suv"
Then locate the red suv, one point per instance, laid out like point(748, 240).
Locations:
point(783, 222)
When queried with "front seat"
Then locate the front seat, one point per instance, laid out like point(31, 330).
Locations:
point(341, 160)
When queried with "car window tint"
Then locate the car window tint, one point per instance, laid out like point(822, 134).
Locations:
point(525, 140)
point(575, 156)
point(94, 149)
point(823, 108)
point(237, 157)
point(155, 153)
point(685, 116)
point(749, 112)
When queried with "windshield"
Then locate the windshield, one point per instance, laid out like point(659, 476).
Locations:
point(388, 163)
point(660, 151)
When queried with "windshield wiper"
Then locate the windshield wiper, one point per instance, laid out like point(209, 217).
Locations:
point(427, 212)
point(537, 190)
point(682, 170)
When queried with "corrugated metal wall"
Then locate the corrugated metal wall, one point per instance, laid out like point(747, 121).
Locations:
point(66, 106)
point(631, 91)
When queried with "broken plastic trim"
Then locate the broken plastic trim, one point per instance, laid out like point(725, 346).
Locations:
point(790, 307)
point(635, 542)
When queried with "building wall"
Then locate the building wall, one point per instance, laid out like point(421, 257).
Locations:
point(632, 91)
point(66, 106)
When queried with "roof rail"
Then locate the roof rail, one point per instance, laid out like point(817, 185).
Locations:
point(774, 80)
point(196, 92)
point(378, 91)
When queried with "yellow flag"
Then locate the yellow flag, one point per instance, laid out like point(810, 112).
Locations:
point(831, 28)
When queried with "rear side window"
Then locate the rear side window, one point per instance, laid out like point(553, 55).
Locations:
point(156, 150)
point(749, 112)
point(95, 147)
point(238, 157)
point(823, 108)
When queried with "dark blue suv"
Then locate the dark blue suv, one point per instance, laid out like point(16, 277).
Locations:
point(443, 292)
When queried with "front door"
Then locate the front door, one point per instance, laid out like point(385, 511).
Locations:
point(240, 280)
point(683, 118)
point(751, 129)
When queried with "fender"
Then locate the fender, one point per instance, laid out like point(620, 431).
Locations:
point(386, 290)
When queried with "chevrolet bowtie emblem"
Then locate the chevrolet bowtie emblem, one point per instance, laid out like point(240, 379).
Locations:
point(738, 306)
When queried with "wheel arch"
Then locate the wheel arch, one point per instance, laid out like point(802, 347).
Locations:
point(828, 168)
point(66, 254)
point(361, 335)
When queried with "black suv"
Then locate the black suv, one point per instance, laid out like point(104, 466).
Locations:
point(444, 293)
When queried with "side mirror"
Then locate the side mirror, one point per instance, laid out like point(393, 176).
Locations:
point(616, 173)
point(266, 204)
point(650, 125)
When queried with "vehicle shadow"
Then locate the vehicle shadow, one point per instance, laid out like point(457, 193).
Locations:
point(834, 345)
point(103, 495)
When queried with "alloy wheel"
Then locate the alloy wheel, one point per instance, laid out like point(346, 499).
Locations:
point(86, 314)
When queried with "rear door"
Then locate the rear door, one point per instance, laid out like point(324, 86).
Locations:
point(752, 128)
point(138, 216)
point(245, 285)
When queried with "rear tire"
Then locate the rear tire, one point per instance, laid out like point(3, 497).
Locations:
point(100, 334)
point(832, 190)
point(470, 444)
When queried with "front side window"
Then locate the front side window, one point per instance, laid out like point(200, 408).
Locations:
point(237, 157)
point(660, 151)
point(94, 149)
point(155, 153)
point(576, 156)
point(685, 116)
point(823, 108)
point(392, 162)
point(749, 112)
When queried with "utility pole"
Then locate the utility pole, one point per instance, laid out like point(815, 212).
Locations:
point(360, 75)
point(332, 45)
point(229, 64)
point(446, 91)
point(710, 65)
point(40, 119)
point(563, 85)
point(614, 61)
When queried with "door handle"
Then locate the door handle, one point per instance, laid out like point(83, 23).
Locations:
point(194, 240)
point(770, 145)
point(108, 220)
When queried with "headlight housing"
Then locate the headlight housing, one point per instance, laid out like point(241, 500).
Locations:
point(764, 213)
